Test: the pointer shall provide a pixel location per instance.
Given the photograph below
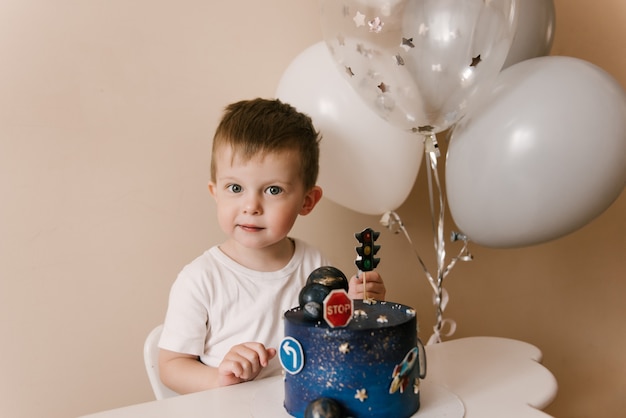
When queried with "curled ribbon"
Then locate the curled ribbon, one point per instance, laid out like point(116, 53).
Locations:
point(392, 221)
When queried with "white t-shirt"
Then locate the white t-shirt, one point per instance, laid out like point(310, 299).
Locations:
point(216, 303)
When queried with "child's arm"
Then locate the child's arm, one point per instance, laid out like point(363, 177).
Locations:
point(184, 373)
point(373, 284)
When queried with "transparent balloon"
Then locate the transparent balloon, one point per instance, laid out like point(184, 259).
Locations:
point(419, 63)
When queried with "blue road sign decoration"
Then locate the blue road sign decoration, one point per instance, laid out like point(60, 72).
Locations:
point(291, 355)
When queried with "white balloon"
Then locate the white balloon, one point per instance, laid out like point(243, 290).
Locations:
point(544, 153)
point(366, 164)
point(533, 38)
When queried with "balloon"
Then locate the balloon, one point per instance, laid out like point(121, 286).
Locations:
point(418, 63)
point(366, 164)
point(541, 156)
point(535, 31)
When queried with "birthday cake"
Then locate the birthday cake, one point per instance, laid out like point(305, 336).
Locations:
point(360, 359)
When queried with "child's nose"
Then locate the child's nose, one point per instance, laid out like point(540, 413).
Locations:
point(253, 205)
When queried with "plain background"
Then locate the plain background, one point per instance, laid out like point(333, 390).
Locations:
point(107, 108)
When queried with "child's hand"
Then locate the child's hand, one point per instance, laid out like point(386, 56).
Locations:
point(373, 284)
point(244, 362)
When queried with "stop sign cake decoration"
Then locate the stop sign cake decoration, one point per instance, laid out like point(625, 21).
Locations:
point(350, 358)
point(338, 308)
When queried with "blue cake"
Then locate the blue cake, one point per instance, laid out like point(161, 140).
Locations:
point(368, 368)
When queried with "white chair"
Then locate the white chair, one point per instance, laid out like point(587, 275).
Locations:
point(151, 359)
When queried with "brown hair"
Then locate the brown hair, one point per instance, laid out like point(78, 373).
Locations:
point(261, 126)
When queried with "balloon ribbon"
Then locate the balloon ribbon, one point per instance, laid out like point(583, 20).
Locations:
point(393, 222)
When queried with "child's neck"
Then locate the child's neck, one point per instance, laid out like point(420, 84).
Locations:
point(266, 259)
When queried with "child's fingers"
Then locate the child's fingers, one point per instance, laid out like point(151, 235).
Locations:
point(368, 284)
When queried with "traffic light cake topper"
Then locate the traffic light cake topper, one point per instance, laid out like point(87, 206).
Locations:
point(365, 259)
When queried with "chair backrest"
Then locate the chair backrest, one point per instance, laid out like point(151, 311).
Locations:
point(151, 359)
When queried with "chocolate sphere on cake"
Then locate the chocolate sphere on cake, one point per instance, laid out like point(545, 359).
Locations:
point(324, 408)
point(318, 285)
point(311, 299)
point(328, 276)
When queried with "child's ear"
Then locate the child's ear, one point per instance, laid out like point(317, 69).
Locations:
point(310, 200)
point(212, 189)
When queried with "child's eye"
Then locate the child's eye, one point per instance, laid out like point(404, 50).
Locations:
point(274, 190)
point(235, 188)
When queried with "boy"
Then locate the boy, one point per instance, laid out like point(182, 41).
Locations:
point(225, 308)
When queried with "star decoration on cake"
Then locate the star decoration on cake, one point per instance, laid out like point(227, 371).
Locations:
point(344, 348)
point(360, 313)
point(475, 61)
point(416, 386)
point(359, 19)
point(361, 394)
point(382, 319)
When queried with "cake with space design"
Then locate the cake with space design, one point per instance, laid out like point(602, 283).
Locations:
point(350, 358)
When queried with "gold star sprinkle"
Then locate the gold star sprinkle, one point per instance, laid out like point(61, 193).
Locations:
point(361, 394)
point(382, 319)
point(344, 348)
point(360, 313)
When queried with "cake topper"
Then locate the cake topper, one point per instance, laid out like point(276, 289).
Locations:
point(365, 259)
point(319, 284)
point(324, 407)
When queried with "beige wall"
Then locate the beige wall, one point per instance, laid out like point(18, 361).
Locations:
point(106, 111)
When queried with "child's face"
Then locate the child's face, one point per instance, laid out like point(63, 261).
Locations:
point(259, 200)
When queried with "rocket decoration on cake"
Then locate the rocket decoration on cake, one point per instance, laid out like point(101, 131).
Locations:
point(365, 259)
point(402, 372)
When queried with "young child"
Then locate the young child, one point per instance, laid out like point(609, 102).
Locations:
point(223, 322)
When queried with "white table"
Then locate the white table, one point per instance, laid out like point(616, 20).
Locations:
point(492, 377)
